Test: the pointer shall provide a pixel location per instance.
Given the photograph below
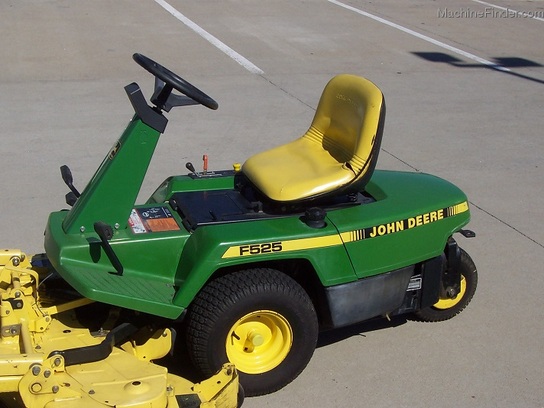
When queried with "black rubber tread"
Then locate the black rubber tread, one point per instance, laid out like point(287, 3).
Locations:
point(225, 300)
point(468, 270)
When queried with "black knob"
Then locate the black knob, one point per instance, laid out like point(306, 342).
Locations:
point(315, 217)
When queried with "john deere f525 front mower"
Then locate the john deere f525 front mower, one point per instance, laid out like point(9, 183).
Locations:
point(247, 265)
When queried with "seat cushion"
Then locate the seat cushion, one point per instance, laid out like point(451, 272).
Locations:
point(338, 152)
point(296, 171)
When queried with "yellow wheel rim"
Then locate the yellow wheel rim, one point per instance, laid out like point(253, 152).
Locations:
point(259, 342)
point(449, 303)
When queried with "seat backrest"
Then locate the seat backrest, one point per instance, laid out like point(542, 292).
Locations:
point(349, 124)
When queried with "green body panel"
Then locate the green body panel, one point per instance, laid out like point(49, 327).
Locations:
point(150, 263)
point(400, 196)
point(163, 269)
point(112, 191)
point(203, 252)
point(202, 255)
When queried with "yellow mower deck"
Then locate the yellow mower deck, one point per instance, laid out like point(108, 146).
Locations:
point(33, 373)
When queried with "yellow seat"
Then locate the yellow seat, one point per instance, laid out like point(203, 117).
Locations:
point(338, 153)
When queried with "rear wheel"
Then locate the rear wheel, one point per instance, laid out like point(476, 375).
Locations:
point(447, 308)
point(261, 320)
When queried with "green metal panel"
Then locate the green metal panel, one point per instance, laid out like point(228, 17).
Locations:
point(408, 223)
point(205, 251)
point(150, 262)
point(399, 196)
point(111, 193)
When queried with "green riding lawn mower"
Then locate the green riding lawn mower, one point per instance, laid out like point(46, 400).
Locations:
point(246, 265)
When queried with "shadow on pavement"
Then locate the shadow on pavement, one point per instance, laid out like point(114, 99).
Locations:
point(502, 62)
point(334, 336)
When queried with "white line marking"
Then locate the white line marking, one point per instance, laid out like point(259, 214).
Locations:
point(509, 10)
point(211, 39)
point(423, 37)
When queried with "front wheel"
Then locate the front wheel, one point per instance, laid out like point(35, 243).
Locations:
point(447, 308)
point(261, 320)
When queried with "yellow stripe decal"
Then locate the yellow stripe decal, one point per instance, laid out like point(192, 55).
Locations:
point(460, 208)
point(345, 237)
point(282, 246)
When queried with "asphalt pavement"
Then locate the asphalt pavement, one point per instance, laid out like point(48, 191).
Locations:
point(463, 82)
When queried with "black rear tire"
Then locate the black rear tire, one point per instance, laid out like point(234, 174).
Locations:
point(261, 320)
point(445, 309)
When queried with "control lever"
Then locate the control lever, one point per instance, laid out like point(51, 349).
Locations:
point(72, 196)
point(105, 233)
point(205, 164)
point(66, 174)
point(189, 166)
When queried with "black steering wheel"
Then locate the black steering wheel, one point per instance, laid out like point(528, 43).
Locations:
point(174, 81)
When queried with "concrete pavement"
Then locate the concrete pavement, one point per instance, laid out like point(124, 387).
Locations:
point(63, 68)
